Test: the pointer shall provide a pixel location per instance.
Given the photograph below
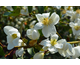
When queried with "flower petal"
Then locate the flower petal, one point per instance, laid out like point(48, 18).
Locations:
point(45, 43)
point(38, 25)
point(54, 18)
point(10, 46)
point(19, 52)
point(35, 35)
point(8, 29)
point(45, 15)
point(52, 49)
point(47, 30)
point(9, 39)
point(54, 36)
point(59, 46)
point(16, 42)
point(39, 17)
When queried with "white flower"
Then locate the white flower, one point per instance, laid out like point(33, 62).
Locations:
point(73, 14)
point(60, 46)
point(47, 23)
point(76, 52)
point(33, 34)
point(39, 55)
point(66, 49)
point(50, 44)
point(24, 11)
point(12, 36)
point(75, 28)
point(58, 7)
point(9, 8)
point(20, 51)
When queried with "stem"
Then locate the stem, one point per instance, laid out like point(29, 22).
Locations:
point(63, 22)
point(59, 35)
point(21, 27)
point(74, 42)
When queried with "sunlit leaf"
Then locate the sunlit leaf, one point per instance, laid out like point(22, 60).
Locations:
point(31, 51)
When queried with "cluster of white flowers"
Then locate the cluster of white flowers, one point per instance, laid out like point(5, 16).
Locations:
point(13, 39)
point(46, 23)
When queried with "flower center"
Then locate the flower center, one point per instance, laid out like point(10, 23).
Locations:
point(77, 27)
point(45, 21)
point(53, 42)
point(78, 11)
point(14, 36)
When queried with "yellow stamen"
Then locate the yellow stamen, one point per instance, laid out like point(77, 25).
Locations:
point(14, 36)
point(77, 27)
point(42, 50)
point(45, 21)
point(53, 42)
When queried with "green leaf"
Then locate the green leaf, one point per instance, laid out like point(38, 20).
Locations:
point(16, 12)
point(30, 9)
point(1, 51)
point(6, 13)
point(31, 51)
point(40, 9)
point(14, 7)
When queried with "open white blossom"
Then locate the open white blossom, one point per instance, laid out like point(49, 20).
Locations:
point(75, 28)
point(66, 49)
point(54, 46)
point(20, 51)
point(73, 14)
point(33, 34)
point(13, 36)
point(47, 23)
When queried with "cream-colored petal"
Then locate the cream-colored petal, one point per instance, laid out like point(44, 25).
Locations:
point(45, 43)
point(9, 29)
point(16, 42)
point(54, 36)
point(39, 17)
point(52, 49)
point(46, 15)
point(35, 35)
point(9, 39)
point(38, 25)
point(10, 46)
point(19, 52)
point(54, 18)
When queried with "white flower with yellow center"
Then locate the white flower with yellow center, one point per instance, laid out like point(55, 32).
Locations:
point(73, 14)
point(51, 44)
point(47, 23)
point(20, 51)
point(33, 34)
point(24, 10)
point(12, 36)
point(75, 28)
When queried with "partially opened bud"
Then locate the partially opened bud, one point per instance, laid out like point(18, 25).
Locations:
point(39, 55)
point(33, 34)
